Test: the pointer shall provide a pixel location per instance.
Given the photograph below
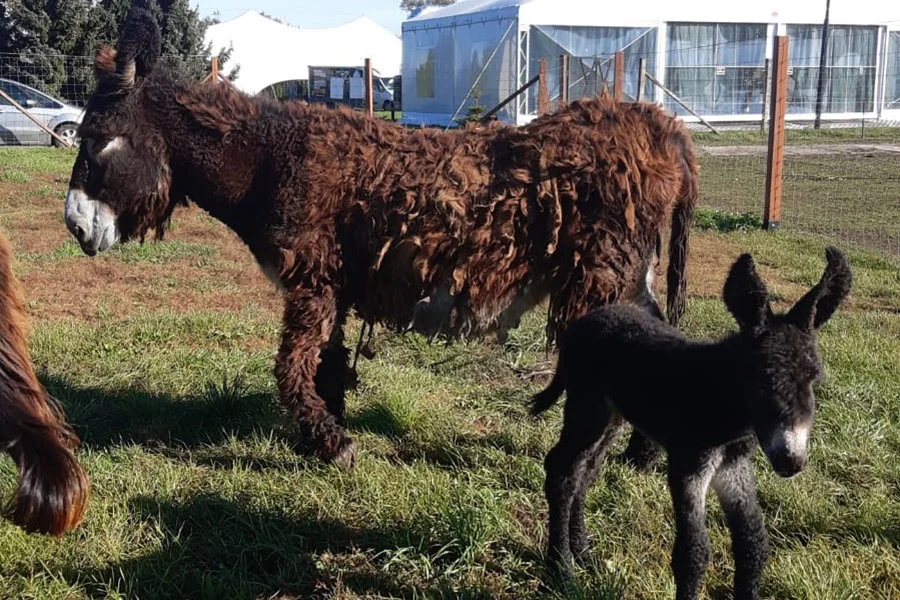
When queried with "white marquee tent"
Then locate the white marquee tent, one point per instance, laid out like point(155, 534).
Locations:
point(711, 53)
point(270, 52)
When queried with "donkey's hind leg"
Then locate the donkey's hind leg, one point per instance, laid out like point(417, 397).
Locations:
point(736, 491)
point(578, 538)
point(585, 421)
point(309, 317)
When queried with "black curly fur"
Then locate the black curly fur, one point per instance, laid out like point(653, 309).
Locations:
point(706, 403)
point(140, 41)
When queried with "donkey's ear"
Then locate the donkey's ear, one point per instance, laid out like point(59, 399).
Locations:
point(105, 61)
point(139, 46)
point(819, 303)
point(746, 297)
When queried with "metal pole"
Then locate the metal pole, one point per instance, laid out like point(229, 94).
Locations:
point(823, 66)
point(674, 97)
point(765, 100)
point(563, 80)
point(642, 79)
point(487, 63)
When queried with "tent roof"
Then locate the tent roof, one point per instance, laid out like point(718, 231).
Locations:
point(270, 52)
point(597, 13)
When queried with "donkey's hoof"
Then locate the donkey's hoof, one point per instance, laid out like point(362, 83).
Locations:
point(345, 459)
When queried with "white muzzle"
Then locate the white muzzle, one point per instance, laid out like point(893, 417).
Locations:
point(92, 222)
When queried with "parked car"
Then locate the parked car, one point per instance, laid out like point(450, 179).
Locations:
point(16, 128)
point(382, 94)
point(397, 88)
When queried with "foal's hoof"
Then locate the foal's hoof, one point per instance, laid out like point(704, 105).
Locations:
point(345, 458)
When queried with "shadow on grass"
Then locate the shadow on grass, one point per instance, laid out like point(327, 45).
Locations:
point(104, 418)
point(219, 549)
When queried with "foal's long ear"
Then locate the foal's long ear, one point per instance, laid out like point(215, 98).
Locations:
point(138, 48)
point(746, 297)
point(819, 303)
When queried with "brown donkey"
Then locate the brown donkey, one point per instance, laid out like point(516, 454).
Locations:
point(53, 490)
point(454, 234)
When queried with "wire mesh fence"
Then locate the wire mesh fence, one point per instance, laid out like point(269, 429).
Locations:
point(53, 89)
point(845, 186)
point(848, 192)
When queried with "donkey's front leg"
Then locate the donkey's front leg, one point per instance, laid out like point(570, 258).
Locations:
point(331, 376)
point(309, 318)
point(688, 483)
point(736, 490)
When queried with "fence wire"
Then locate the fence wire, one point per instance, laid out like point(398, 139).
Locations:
point(844, 186)
point(54, 88)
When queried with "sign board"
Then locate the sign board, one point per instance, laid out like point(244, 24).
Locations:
point(338, 85)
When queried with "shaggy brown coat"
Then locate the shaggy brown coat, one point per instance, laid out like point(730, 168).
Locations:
point(53, 490)
point(446, 233)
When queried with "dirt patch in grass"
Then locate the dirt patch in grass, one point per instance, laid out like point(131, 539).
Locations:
point(60, 283)
point(91, 289)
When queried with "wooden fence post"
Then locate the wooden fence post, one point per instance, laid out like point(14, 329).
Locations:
point(775, 159)
point(642, 79)
point(619, 75)
point(214, 73)
point(543, 100)
point(370, 101)
point(563, 80)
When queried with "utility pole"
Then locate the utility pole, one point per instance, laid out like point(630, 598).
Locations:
point(823, 66)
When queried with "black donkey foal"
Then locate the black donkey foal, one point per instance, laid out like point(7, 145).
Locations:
point(706, 403)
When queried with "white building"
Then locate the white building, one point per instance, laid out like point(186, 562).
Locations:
point(710, 53)
point(270, 52)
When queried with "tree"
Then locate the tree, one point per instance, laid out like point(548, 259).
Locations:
point(411, 5)
point(54, 41)
point(475, 110)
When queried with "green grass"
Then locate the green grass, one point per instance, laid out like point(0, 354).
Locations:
point(198, 494)
point(801, 136)
point(724, 222)
point(52, 161)
point(853, 197)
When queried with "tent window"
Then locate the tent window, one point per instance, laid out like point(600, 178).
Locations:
point(717, 68)
point(892, 79)
point(850, 70)
point(425, 73)
point(590, 51)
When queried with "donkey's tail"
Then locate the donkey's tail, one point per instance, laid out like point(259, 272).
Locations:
point(682, 217)
point(548, 397)
point(53, 489)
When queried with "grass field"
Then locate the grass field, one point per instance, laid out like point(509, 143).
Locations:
point(162, 356)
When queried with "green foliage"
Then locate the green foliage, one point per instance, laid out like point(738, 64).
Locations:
point(723, 222)
point(411, 5)
point(475, 111)
point(55, 41)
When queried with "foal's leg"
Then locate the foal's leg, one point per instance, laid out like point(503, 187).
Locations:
point(331, 374)
point(309, 317)
point(736, 490)
point(584, 424)
point(578, 539)
point(689, 479)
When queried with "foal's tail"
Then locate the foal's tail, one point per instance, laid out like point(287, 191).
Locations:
point(53, 490)
point(548, 397)
point(682, 217)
